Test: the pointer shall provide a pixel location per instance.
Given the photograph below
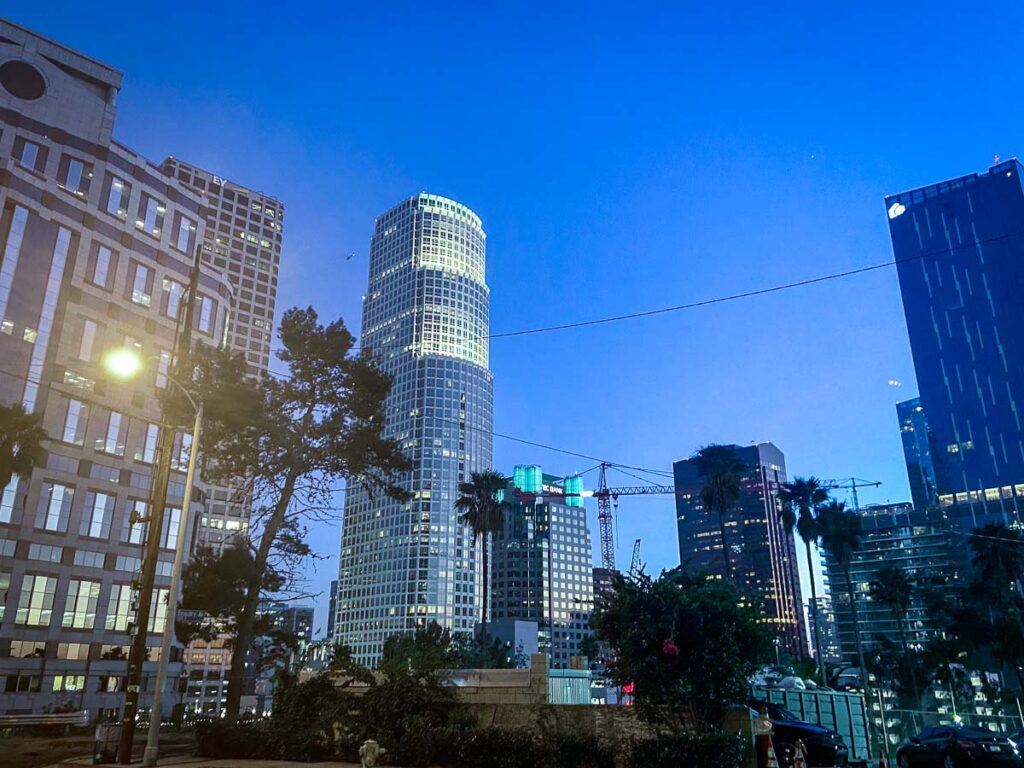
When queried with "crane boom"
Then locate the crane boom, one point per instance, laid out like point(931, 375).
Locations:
point(634, 563)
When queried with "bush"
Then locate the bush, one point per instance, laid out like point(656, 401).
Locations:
point(218, 740)
point(500, 748)
point(571, 750)
point(713, 749)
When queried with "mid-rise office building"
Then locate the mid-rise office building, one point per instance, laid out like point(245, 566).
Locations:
point(959, 248)
point(918, 452)
point(425, 320)
point(761, 553)
point(926, 544)
point(541, 562)
point(96, 248)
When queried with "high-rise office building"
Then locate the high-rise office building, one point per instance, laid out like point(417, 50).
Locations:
point(761, 553)
point(821, 616)
point(959, 247)
point(96, 248)
point(425, 319)
point(332, 608)
point(925, 543)
point(242, 240)
point(541, 562)
point(918, 452)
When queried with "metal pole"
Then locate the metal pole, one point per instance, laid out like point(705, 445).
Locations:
point(153, 738)
point(138, 654)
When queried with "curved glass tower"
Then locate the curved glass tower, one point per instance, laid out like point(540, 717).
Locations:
point(425, 318)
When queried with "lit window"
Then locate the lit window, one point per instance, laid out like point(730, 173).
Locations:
point(80, 608)
point(172, 297)
point(118, 196)
point(113, 440)
point(151, 215)
point(35, 608)
point(142, 285)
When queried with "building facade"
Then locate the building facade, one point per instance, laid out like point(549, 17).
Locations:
point(425, 319)
point(821, 615)
point(918, 452)
point(959, 248)
point(242, 241)
point(761, 553)
point(925, 543)
point(96, 247)
point(541, 563)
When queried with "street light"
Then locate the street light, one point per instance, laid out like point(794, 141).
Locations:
point(126, 364)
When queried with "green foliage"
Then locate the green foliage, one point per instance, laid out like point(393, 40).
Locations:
point(801, 499)
point(290, 440)
point(244, 740)
point(688, 645)
point(502, 748)
point(305, 717)
point(21, 442)
point(721, 469)
point(709, 749)
point(479, 508)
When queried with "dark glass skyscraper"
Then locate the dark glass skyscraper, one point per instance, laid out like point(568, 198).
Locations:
point(959, 246)
point(918, 451)
point(761, 552)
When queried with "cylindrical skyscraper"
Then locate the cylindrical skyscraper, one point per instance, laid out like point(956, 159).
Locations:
point(425, 319)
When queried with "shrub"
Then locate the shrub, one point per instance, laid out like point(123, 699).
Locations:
point(712, 749)
point(218, 740)
point(572, 750)
point(501, 748)
point(305, 716)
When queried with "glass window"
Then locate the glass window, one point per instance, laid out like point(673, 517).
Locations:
point(185, 232)
point(74, 175)
point(80, 608)
point(89, 558)
point(119, 608)
point(169, 535)
point(119, 193)
point(147, 447)
point(206, 310)
point(173, 291)
point(133, 524)
point(142, 285)
point(54, 507)
point(113, 441)
point(7, 500)
point(35, 607)
point(151, 215)
point(98, 513)
point(163, 366)
point(29, 154)
point(158, 611)
point(45, 553)
point(68, 683)
point(101, 268)
point(86, 343)
point(5, 587)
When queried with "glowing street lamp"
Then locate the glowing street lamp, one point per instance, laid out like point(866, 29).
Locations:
point(126, 364)
point(122, 363)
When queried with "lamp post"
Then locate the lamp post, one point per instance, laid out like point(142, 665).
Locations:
point(125, 364)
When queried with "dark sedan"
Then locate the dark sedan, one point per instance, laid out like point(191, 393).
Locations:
point(825, 748)
point(951, 746)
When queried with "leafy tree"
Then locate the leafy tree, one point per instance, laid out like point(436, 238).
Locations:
point(291, 440)
point(21, 442)
point(806, 495)
point(998, 555)
point(479, 508)
point(687, 644)
point(722, 470)
point(893, 589)
point(841, 534)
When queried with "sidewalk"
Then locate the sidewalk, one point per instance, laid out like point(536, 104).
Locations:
point(190, 761)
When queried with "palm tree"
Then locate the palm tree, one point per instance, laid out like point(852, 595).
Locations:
point(998, 555)
point(483, 511)
point(841, 533)
point(21, 442)
point(721, 469)
point(893, 589)
point(806, 494)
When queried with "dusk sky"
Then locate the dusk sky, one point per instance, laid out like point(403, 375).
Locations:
point(622, 158)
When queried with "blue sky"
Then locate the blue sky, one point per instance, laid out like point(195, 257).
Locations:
point(621, 158)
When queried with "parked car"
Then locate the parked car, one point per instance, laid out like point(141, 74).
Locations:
point(952, 746)
point(825, 748)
